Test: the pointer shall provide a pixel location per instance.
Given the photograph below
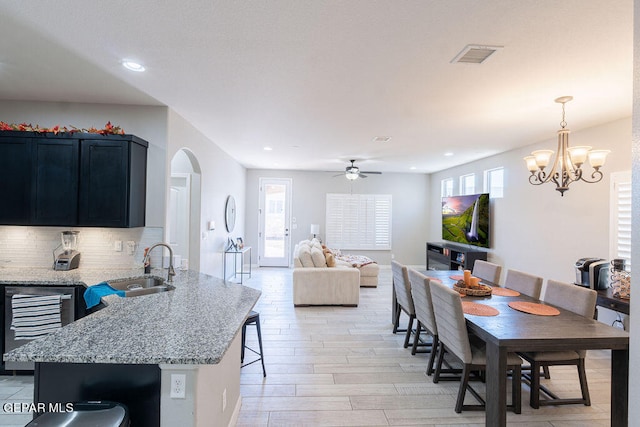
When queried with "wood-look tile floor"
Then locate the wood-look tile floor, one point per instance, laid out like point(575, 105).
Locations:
point(342, 366)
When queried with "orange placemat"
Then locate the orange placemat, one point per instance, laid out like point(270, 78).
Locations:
point(504, 292)
point(478, 309)
point(456, 277)
point(534, 308)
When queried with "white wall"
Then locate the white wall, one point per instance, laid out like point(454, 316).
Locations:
point(533, 228)
point(410, 214)
point(221, 176)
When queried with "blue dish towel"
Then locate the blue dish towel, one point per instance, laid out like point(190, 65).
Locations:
point(93, 293)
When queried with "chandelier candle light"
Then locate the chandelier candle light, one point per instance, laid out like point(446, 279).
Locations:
point(567, 166)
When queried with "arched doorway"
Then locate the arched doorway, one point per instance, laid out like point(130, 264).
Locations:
point(183, 218)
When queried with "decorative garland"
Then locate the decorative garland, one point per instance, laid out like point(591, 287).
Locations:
point(109, 129)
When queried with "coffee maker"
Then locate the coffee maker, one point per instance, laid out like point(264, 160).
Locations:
point(66, 257)
point(592, 273)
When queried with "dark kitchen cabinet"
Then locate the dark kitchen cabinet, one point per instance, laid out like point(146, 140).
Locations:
point(113, 176)
point(15, 180)
point(54, 186)
point(72, 179)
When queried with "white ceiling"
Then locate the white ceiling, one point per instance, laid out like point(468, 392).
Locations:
point(318, 80)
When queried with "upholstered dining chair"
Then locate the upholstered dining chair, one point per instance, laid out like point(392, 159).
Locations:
point(424, 314)
point(524, 283)
point(581, 301)
point(402, 288)
point(453, 335)
point(487, 271)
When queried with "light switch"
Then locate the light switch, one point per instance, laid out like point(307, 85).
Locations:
point(117, 246)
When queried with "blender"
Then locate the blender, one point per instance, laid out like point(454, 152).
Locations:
point(68, 258)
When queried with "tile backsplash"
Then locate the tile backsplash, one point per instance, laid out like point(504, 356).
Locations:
point(33, 247)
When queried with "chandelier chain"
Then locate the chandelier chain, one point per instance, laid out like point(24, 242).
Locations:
point(563, 123)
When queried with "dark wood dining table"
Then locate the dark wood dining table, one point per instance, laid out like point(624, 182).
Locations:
point(513, 330)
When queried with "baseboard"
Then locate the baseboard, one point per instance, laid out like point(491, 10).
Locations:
point(236, 412)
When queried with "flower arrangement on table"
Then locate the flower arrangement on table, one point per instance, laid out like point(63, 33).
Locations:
point(108, 129)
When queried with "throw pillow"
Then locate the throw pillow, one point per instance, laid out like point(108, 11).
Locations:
point(318, 257)
point(305, 256)
point(331, 261)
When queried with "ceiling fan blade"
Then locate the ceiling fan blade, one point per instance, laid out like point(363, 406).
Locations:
point(340, 174)
point(372, 172)
point(361, 175)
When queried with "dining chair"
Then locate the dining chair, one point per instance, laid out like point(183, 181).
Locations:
point(454, 337)
point(581, 301)
point(404, 301)
point(487, 271)
point(424, 314)
point(524, 283)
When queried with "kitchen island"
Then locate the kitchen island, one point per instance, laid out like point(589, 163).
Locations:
point(193, 330)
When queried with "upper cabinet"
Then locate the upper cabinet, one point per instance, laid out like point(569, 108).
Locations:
point(73, 180)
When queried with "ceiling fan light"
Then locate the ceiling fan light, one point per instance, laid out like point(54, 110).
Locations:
point(351, 176)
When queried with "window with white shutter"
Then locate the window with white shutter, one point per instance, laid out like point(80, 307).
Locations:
point(620, 215)
point(358, 221)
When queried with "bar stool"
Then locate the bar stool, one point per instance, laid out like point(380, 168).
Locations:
point(252, 319)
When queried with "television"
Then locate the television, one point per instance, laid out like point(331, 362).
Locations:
point(465, 219)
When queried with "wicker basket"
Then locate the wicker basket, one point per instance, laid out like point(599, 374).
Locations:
point(472, 292)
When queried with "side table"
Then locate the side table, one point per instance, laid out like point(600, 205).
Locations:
point(236, 253)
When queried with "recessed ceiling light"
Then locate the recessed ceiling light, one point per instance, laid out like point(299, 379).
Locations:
point(267, 148)
point(448, 154)
point(413, 168)
point(133, 66)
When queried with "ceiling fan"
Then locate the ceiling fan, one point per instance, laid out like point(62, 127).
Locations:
point(352, 172)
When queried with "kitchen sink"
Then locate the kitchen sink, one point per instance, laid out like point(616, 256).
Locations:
point(141, 286)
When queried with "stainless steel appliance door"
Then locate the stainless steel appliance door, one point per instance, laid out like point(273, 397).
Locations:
point(67, 313)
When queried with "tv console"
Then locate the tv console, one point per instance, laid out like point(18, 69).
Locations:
point(451, 256)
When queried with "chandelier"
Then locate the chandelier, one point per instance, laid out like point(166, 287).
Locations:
point(567, 166)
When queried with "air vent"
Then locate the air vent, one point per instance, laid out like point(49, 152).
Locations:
point(382, 139)
point(475, 54)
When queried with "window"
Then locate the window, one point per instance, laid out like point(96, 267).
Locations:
point(494, 182)
point(620, 226)
point(359, 221)
point(446, 187)
point(467, 184)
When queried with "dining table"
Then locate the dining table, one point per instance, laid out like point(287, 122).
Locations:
point(512, 330)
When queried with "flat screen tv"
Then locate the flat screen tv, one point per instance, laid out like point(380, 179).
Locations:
point(465, 219)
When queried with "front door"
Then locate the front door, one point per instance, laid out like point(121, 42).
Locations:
point(275, 222)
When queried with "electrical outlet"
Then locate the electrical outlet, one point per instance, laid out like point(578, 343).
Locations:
point(224, 400)
point(131, 247)
point(178, 384)
point(117, 246)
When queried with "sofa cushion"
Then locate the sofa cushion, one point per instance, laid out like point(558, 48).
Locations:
point(305, 256)
point(331, 260)
point(318, 257)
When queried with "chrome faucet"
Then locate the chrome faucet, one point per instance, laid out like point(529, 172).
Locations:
point(171, 272)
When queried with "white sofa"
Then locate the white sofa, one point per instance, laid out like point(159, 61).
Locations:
point(314, 283)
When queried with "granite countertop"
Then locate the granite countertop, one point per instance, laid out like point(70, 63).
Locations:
point(193, 324)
